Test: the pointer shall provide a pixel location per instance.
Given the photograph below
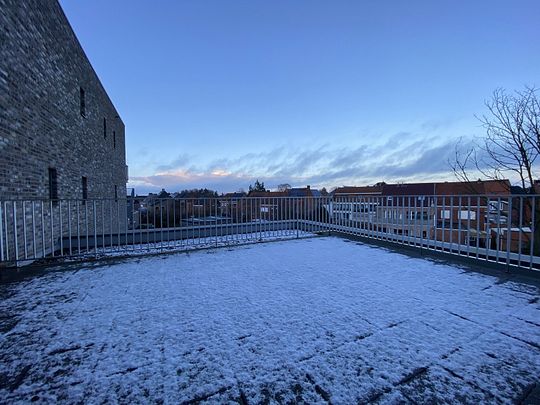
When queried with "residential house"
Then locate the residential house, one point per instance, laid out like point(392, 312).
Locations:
point(230, 204)
point(474, 213)
point(268, 205)
point(355, 204)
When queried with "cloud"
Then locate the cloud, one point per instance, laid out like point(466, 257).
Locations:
point(180, 161)
point(429, 160)
point(401, 157)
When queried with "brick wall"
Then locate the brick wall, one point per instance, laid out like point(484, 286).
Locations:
point(42, 69)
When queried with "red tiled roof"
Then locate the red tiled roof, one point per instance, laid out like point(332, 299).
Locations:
point(352, 190)
point(474, 187)
point(409, 189)
point(501, 187)
point(234, 195)
point(268, 194)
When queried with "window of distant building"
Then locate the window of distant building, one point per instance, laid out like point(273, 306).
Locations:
point(115, 192)
point(104, 128)
point(82, 102)
point(53, 184)
point(84, 188)
point(114, 139)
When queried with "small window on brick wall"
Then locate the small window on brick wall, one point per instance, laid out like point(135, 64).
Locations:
point(53, 184)
point(84, 188)
point(115, 192)
point(104, 128)
point(114, 139)
point(82, 102)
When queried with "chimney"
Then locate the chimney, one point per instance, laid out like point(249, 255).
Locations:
point(307, 187)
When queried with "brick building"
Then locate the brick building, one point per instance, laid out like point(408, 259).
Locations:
point(473, 213)
point(60, 134)
point(63, 166)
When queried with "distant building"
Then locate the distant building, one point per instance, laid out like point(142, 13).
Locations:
point(467, 213)
point(230, 204)
point(303, 192)
point(61, 136)
point(299, 202)
point(352, 191)
point(345, 205)
point(268, 205)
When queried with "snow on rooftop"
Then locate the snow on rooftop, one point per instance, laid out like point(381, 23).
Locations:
point(317, 320)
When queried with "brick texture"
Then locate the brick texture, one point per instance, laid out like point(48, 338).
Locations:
point(42, 68)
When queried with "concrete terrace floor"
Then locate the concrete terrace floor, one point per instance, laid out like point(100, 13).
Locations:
point(316, 320)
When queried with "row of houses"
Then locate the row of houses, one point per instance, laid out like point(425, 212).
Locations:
point(488, 214)
point(167, 210)
point(485, 214)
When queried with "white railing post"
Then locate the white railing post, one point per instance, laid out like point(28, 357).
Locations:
point(15, 237)
point(2, 257)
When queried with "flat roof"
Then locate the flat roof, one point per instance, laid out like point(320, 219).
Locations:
point(314, 320)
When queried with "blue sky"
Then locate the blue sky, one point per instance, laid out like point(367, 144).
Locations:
point(218, 93)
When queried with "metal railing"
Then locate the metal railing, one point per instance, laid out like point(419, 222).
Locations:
point(495, 228)
point(45, 229)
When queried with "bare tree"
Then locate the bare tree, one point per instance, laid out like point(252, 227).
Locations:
point(512, 141)
point(284, 187)
point(510, 147)
point(465, 157)
point(532, 116)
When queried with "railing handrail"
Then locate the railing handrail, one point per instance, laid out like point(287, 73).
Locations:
point(330, 196)
point(39, 228)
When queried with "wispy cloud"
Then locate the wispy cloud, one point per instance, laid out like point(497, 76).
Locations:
point(181, 161)
point(402, 157)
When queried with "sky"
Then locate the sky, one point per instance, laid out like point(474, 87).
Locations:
point(219, 93)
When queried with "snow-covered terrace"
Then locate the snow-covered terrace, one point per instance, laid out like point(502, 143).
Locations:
point(317, 320)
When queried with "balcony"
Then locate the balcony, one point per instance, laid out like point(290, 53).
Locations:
point(312, 317)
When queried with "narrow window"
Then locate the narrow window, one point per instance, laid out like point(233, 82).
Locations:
point(115, 192)
point(82, 102)
point(114, 139)
point(53, 184)
point(84, 188)
point(104, 128)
